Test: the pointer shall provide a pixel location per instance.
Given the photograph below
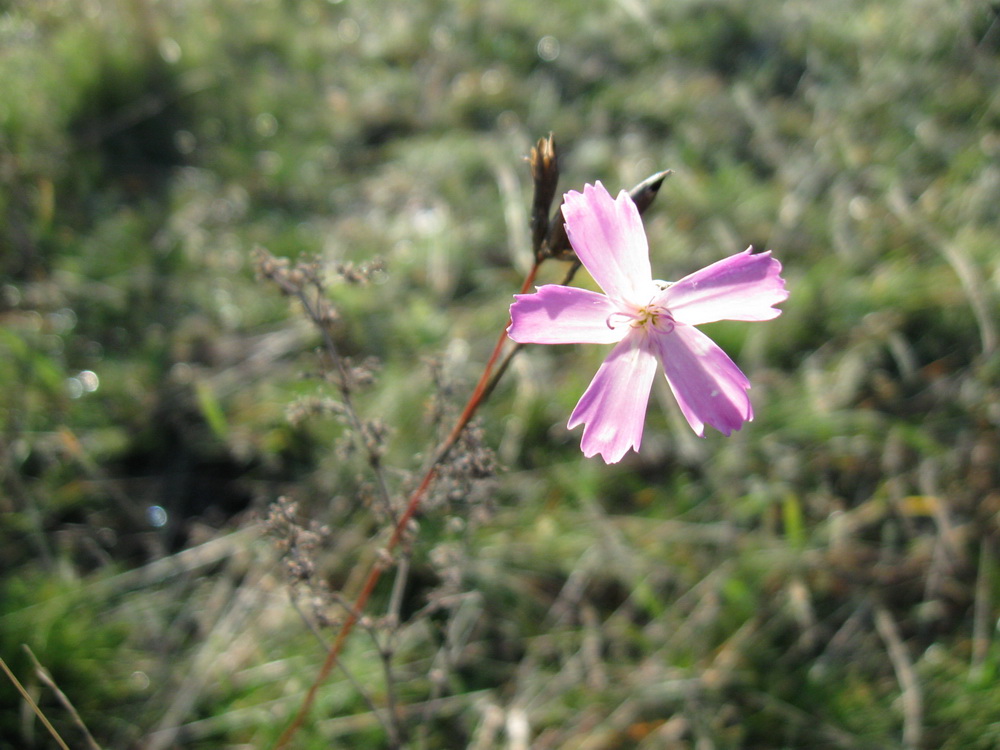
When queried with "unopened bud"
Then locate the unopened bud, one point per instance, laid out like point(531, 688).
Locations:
point(545, 174)
point(557, 245)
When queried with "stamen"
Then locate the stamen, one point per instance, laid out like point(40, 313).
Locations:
point(663, 321)
point(620, 314)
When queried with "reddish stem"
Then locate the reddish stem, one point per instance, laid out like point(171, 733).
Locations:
point(375, 573)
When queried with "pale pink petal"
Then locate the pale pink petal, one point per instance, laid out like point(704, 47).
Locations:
point(707, 384)
point(563, 315)
point(613, 408)
point(740, 287)
point(608, 238)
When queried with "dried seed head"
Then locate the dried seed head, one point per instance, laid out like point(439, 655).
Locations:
point(274, 269)
point(557, 243)
point(363, 273)
point(545, 175)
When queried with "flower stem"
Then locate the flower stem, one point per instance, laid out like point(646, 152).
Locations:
point(482, 390)
point(549, 240)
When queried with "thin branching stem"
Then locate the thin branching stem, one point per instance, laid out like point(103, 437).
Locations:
point(498, 373)
point(386, 652)
point(393, 620)
point(349, 674)
point(475, 400)
point(398, 587)
point(345, 386)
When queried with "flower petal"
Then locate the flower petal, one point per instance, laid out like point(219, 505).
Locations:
point(608, 238)
point(740, 287)
point(707, 384)
point(563, 315)
point(613, 408)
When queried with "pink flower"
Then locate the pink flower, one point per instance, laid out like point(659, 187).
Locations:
point(648, 321)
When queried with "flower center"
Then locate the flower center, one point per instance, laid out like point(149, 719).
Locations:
point(650, 317)
point(654, 317)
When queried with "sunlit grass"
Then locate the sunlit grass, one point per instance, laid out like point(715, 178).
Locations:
point(725, 592)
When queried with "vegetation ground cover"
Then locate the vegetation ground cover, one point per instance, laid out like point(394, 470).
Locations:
point(827, 577)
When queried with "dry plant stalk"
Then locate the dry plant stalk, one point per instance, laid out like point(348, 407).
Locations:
point(43, 674)
point(34, 706)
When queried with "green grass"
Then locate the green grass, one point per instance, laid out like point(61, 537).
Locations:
point(727, 592)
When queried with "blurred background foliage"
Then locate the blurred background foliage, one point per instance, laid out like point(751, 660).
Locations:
point(825, 578)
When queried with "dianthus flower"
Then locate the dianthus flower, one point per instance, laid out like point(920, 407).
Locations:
point(648, 321)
